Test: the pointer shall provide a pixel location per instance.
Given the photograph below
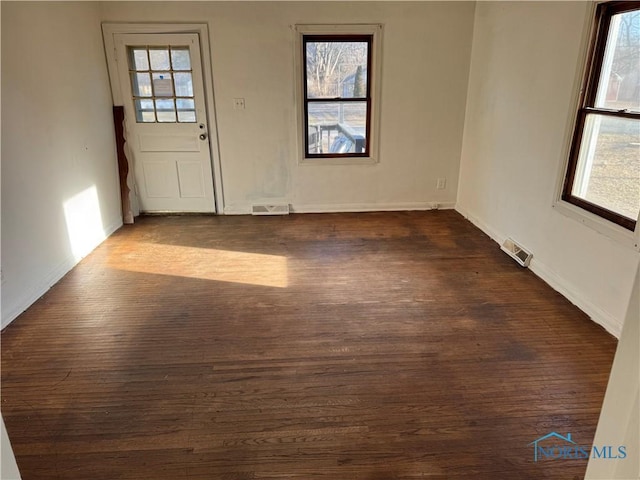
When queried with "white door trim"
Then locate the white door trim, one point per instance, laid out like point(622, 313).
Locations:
point(109, 30)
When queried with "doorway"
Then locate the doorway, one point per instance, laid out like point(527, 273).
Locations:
point(159, 75)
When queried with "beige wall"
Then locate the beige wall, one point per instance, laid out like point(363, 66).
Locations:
point(522, 87)
point(426, 49)
point(619, 423)
point(59, 173)
point(8, 466)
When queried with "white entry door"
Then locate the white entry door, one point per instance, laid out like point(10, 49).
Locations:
point(167, 134)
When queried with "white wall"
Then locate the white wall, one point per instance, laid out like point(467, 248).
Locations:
point(425, 66)
point(60, 194)
point(8, 467)
point(524, 66)
point(619, 423)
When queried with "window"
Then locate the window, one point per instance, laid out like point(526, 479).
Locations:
point(603, 175)
point(338, 92)
point(162, 84)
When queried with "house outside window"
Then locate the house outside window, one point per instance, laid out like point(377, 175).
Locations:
point(338, 83)
point(603, 174)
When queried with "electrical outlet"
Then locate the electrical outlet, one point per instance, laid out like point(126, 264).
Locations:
point(238, 103)
point(441, 184)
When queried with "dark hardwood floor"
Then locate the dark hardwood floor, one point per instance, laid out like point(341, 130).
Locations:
point(371, 346)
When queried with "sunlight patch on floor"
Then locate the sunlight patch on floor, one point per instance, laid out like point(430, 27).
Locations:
point(205, 264)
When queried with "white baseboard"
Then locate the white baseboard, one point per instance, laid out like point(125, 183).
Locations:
point(41, 287)
point(351, 207)
point(368, 207)
point(237, 210)
point(602, 318)
point(554, 280)
point(34, 292)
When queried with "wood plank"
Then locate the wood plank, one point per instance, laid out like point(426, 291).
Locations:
point(339, 346)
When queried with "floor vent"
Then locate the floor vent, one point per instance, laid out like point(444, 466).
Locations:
point(517, 252)
point(270, 210)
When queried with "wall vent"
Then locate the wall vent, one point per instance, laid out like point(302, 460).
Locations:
point(517, 252)
point(270, 209)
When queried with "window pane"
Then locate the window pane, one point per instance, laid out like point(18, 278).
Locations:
point(180, 59)
point(186, 116)
point(608, 170)
point(186, 104)
point(140, 59)
point(619, 86)
point(337, 127)
point(162, 85)
point(184, 85)
point(186, 110)
point(165, 110)
point(336, 69)
point(141, 83)
point(145, 112)
point(159, 58)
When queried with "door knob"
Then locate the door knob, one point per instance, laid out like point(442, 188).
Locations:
point(203, 136)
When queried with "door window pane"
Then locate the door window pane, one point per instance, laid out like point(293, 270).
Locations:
point(166, 110)
point(186, 110)
point(145, 113)
point(141, 84)
point(186, 116)
point(184, 84)
point(185, 104)
point(159, 58)
point(162, 85)
point(180, 59)
point(140, 59)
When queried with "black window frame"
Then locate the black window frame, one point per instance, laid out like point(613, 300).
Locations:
point(310, 38)
point(591, 81)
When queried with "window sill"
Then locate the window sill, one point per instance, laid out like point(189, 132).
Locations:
point(338, 161)
point(615, 232)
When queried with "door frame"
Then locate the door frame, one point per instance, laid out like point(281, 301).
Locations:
point(109, 30)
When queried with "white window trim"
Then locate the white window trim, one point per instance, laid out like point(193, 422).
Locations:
point(601, 225)
point(375, 79)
